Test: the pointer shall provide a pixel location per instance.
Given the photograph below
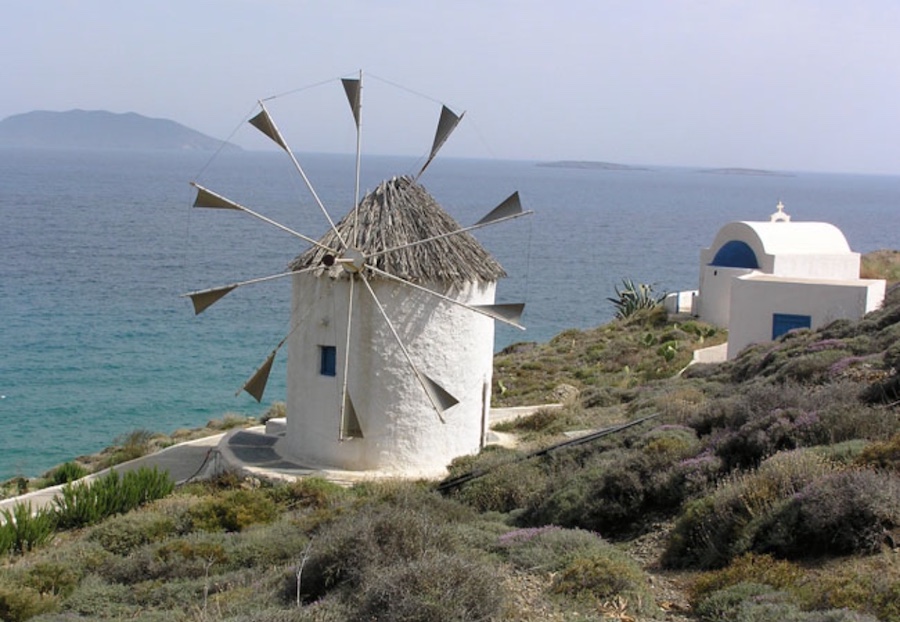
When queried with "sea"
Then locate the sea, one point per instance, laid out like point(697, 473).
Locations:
point(97, 249)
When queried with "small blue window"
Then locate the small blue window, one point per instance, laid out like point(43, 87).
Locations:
point(783, 322)
point(328, 360)
point(736, 254)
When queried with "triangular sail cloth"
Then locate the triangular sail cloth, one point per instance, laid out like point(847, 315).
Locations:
point(508, 312)
point(263, 122)
point(351, 427)
point(208, 198)
point(447, 123)
point(512, 206)
point(256, 386)
point(352, 89)
point(203, 300)
point(440, 397)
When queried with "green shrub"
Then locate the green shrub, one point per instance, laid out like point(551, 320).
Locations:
point(52, 577)
point(810, 366)
point(172, 596)
point(233, 510)
point(86, 503)
point(130, 446)
point(748, 569)
point(548, 549)
point(67, 472)
point(383, 531)
point(761, 418)
point(188, 557)
point(437, 588)
point(606, 577)
point(869, 584)
point(846, 417)
point(538, 421)
point(19, 603)
point(547, 422)
point(504, 488)
point(727, 603)
point(23, 530)
point(308, 492)
point(123, 534)
point(882, 455)
point(7, 537)
point(750, 602)
point(845, 453)
point(667, 444)
point(262, 545)
point(613, 492)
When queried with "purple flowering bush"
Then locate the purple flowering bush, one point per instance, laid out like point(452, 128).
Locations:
point(713, 529)
point(841, 513)
point(780, 429)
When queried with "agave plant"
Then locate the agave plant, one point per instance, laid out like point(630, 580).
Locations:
point(633, 297)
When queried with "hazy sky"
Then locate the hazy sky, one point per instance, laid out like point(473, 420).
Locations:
point(778, 84)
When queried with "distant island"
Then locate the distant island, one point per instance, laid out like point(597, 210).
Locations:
point(99, 129)
point(745, 171)
point(588, 164)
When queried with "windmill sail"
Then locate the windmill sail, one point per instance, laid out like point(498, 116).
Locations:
point(350, 427)
point(256, 385)
point(510, 207)
point(352, 89)
point(264, 123)
point(447, 123)
point(207, 298)
point(208, 198)
point(510, 313)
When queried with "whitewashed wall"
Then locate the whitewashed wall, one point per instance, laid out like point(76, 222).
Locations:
point(402, 432)
point(755, 299)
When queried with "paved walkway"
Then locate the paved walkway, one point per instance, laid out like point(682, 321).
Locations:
point(181, 461)
point(249, 451)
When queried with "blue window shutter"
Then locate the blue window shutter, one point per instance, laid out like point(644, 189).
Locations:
point(783, 322)
point(328, 360)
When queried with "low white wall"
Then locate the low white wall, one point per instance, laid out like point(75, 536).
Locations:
point(755, 299)
point(714, 303)
point(680, 302)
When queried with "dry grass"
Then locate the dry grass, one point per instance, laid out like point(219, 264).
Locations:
point(883, 264)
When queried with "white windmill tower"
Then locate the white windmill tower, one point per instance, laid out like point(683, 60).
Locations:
point(391, 340)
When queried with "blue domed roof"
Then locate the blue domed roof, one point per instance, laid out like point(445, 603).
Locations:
point(736, 254)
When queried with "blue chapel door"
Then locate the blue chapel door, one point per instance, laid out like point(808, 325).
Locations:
point(783, 322)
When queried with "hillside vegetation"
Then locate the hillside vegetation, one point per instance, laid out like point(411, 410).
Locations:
point(766, 488)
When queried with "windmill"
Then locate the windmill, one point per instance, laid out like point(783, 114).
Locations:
point(390, 351)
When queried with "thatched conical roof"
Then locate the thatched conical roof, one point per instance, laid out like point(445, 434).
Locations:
point(399, 212)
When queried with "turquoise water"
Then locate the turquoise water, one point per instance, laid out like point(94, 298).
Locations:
point(96, 341)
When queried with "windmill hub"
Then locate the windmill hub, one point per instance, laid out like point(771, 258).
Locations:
point(353, 260)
